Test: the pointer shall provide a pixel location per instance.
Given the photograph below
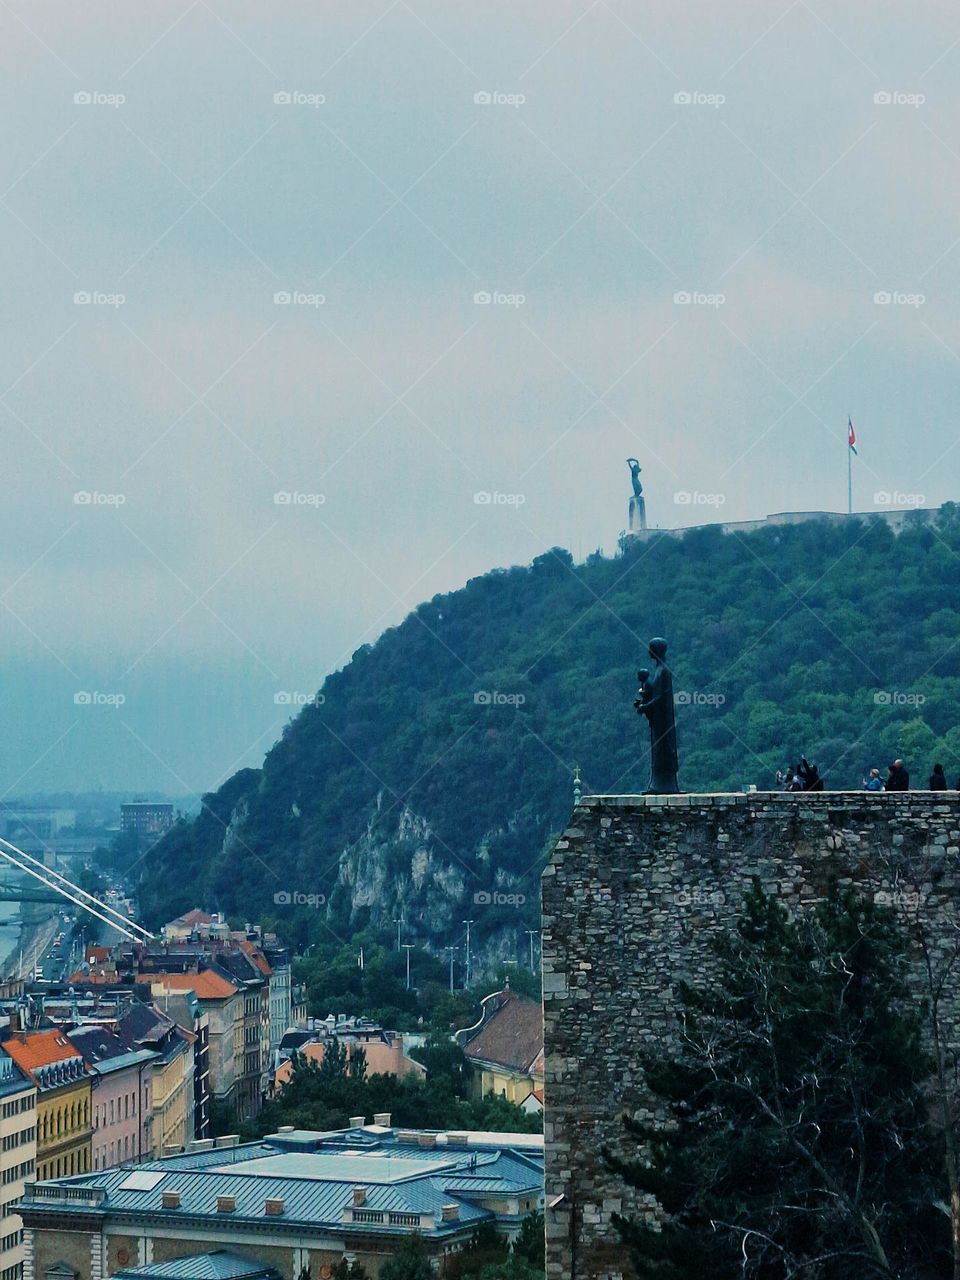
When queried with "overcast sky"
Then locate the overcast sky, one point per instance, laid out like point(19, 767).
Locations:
point(626, 154)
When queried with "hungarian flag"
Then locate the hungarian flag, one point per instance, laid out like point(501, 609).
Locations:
point(851, 436)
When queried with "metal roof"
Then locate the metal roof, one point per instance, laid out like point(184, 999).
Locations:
point(220, 1264)
point(315, 1186)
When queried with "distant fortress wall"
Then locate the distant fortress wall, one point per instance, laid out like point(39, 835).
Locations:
point(896, 517)
point(634, 891)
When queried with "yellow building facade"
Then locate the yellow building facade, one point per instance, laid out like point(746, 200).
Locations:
point(64, 1108)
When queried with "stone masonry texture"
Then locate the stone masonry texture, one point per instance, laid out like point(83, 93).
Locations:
point(634, 890)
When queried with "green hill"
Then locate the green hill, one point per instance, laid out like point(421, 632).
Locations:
point(436, 764)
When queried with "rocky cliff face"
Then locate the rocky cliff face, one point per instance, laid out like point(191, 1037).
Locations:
point(399, 869)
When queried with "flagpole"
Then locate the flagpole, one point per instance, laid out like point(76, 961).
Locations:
point(849, 478)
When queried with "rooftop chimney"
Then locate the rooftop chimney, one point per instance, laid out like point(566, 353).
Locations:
point(359, 1196)
point(170, 1199)
point(450, 1213)
point(382, 1118)
point(226, 1204)
point(357, 1122)
point(273, 1208)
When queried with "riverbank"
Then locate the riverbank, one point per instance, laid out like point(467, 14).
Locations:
point(35, 937)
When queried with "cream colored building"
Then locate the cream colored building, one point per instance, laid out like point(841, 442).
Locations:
point(18, 1159)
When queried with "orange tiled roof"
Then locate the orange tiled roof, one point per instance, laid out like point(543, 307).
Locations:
point(209, 985)
point(96, 973)
point(257, 956)
point(381, 1059)
point(97, 955)
point(196, 916)
point(32, 1049)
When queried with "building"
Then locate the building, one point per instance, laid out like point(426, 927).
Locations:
point(195, 924)
point(295, 1201)
point(122, 1096)
point(143, 1026)
point(505, 1048)
point(222, 1002)
point(18, 1159)
point(278, 958)
point(250, 972)
point(64, 1118)
point(145, 818)
point(187, 1011)
point(383, 1057)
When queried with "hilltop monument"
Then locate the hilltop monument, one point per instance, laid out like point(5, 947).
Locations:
point(637, 518)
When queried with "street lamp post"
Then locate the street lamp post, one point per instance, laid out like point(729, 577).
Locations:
point(398, 923)
point(466, 979)
point(408, 946)
point(453, 952)
point(532, 933)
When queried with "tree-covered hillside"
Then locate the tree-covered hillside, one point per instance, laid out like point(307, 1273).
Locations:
point(436, 764)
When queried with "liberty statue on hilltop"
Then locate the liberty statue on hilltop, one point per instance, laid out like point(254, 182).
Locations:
point(638, 507)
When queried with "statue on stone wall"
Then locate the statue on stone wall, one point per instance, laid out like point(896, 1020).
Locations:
point(638, 505)
point(655, 701)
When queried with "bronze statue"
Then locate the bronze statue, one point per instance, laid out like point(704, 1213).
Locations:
point(655, 701)
point(638, 506)
point(635, 469)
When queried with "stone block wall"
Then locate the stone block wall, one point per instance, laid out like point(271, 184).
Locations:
point(634, 889)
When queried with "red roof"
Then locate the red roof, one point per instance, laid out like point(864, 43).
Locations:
point(511, 1037)
point(196, 916)
point(208, 985)
point(32, 1049)
point(97, 955)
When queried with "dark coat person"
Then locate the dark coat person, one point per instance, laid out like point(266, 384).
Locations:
point(938, 781)
point(897, 777)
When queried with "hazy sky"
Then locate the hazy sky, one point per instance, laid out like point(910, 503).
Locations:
point(147, 165)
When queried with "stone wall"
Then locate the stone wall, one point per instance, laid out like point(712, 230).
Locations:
point(632, 893)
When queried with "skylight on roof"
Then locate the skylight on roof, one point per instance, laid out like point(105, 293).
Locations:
point(141, 1180)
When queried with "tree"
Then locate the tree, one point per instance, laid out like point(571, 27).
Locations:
point(410, 1262)
point(530, 1242)
point(796, 1140)
point(349, 1271)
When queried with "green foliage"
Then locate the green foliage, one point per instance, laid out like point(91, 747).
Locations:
point(349, 1271)
point(410, 1262)
point(326, 1096)
point(785, 636)
point(797, 1140)
point(530, 1242)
